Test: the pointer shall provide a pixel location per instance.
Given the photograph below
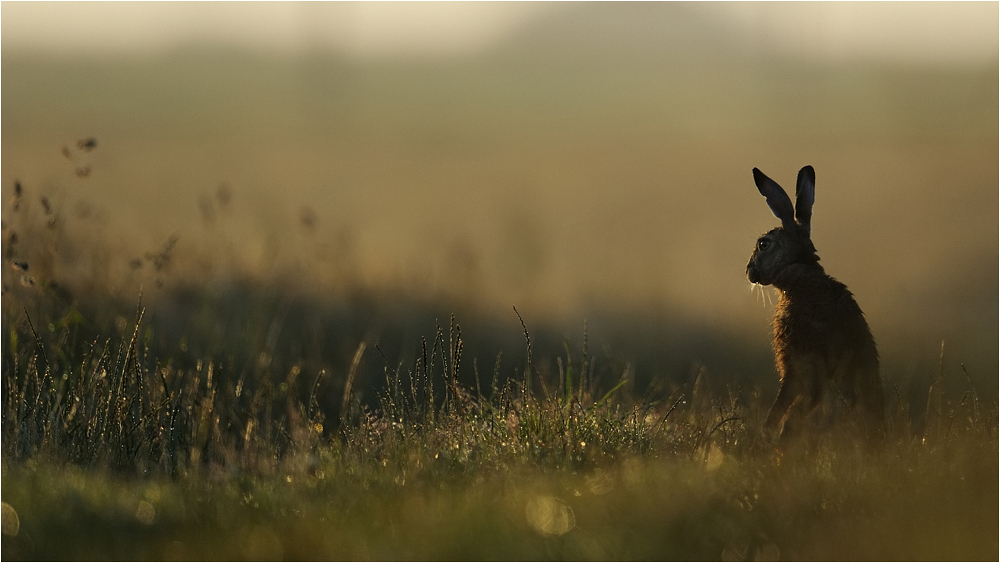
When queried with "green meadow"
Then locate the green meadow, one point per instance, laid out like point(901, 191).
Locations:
point(264, 306)
point(115, 448)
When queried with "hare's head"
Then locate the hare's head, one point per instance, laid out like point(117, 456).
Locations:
point(788, 244)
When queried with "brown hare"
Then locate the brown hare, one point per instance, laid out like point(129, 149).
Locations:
point(825, 353)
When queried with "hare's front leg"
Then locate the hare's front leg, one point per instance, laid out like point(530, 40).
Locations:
point(800, 393)
point(788, 390)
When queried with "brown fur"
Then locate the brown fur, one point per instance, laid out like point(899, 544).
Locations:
point(825, 353)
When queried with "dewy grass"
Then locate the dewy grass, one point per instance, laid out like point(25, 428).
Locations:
point(124, 437)
point(110, 452)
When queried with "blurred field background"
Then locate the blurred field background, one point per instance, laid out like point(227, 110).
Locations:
point(574, 160)
point(286, 183)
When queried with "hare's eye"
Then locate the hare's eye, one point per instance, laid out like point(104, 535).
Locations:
point(763, 243)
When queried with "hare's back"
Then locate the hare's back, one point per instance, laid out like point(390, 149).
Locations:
point(825, 321)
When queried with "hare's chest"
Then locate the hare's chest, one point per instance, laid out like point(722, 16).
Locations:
point(806, 330)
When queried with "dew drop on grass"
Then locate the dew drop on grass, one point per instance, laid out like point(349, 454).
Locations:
point(600, 482)
point(145, 513)
point(9, 522)
point(549, 515)
point(715, 458)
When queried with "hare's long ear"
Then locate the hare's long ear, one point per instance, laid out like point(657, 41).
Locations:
point(776, 197)
point(805, 195)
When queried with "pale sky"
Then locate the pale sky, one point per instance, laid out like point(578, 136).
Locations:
point(946, 32)
point(359, 29)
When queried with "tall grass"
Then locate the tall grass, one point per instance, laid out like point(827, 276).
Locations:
point(125, 438)
point(112, 452)
point(106, 402)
